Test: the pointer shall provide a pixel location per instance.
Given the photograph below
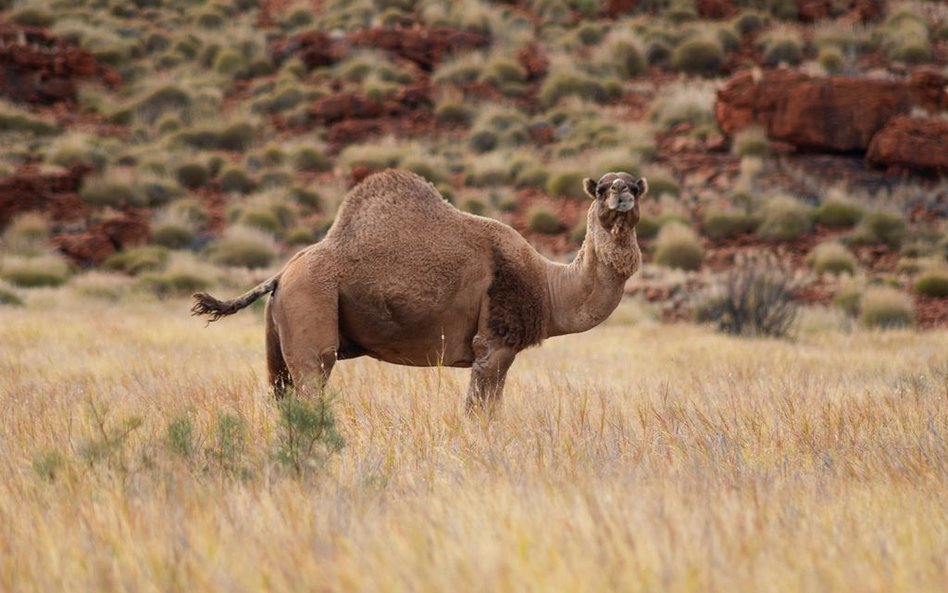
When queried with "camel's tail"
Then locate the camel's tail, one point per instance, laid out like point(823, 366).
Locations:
point(205, 304)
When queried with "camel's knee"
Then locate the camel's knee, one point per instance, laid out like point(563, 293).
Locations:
point(488, 375)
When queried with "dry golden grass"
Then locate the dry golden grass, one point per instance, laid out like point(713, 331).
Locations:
point(630, 458)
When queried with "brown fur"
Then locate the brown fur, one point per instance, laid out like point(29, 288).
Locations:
point(404, 277)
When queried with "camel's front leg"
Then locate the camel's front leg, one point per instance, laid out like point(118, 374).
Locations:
point(491, 362)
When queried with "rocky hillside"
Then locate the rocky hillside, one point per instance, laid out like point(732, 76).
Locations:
point(175, 141)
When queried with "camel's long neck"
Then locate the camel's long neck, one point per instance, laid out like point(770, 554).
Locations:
point(584, 293)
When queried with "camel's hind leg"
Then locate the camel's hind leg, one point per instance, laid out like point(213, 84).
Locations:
point(280, 379)
point(306, 315)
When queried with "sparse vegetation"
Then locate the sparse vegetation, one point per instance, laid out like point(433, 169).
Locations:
point(886, 308)
point(677, 246)
point(783, 219)
point(244, 247)
point(542, 220)
point(838, 212)
point(34, 272)
point(880, 226)
point(832, 258)
point(700, 55)
point(724, 224)
point(933, 283)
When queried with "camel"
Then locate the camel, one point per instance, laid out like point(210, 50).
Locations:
point(404, 277)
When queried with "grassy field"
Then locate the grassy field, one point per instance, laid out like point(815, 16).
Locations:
point(635, 457)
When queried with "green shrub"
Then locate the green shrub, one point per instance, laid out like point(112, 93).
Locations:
point(724, 224)
point(660, 184)
point(684, 104)
point(677, 246)
point(27, 234)
point(831, 59)
point(237, 136)
point(192, 174)
point(261, 218)
point(180, 437)
point(310, 158)
point(307, 433)
point(35, 272)
point(134, 261)
point(885, 307)
point(299, 236)
point(647, 228)
point(784, 218)
point(626, 54)
point(542, 220)
point(698, 56)
point(832, 258)
point(751, 141)
point(173, 283)
point(847, 298)
point(474, 206)
point(235, 179)
point(453, 112)
point(933, 283)
point(172, 235)
point(229, 63)
point(566, 183)
point(15, 119)
point(10, 298)
point(169, 97)
point(110, 191)
point(838, 212)
point(783, 50)
point(34, 16)
point(880, 226)
point(749, 21)
point(244, 247)
point(565, 82)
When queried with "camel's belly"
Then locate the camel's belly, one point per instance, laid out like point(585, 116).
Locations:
point(390, 332)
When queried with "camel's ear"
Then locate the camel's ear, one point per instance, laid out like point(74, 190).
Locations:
point(642, 184)
point(589, 186)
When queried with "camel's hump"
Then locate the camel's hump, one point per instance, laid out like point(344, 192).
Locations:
point(395, 182)
point(392, 197)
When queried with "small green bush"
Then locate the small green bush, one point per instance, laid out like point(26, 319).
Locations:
point(111, 191)
point(886, 308)
point(299, 236)
point(134, 261)
point(933, 283)
point(542, 220)
point(698, 56)
point(751, 141)
point(237, 136)
point(647, 228)
point(660, 184)
point(235, 179)
point(880, 226)
point(847, 298)
point(35, 272)
point(749, 21)
point(261, 218)
point(784, 218)
point(10, 298)
point(569, 82)
point(453, 112)
point(307, 433)
point(15, 119)
point(33, 16)
point(783, 50)
point(310, 158)
point(838, 212)
point(243, 247)
point(172, 235)
point(474, 206)
point(724, 224)
point(192, 174)
point(532, 176)
point(831, 59)
point(172, 283)
point(832, 258)
point(677, 246)
point(566, 183)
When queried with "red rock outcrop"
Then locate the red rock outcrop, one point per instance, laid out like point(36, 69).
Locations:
point(345, 106)
point(99, 241)
point(839, 114)
point(617, 7)
point(37, 67)
point(916, 143)
point(423, 46)
point(814, 10)
point(55, 193)
point(716, 9)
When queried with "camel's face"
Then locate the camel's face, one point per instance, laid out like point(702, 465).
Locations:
point(617, 195)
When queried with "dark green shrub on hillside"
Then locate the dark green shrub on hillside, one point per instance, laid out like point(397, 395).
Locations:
point(173, 283)
point(832, 258)
point(783, 50)
point(261, 218)
point(236, 136)
point(542, 220)
point(724, 224)
point(13, 119)
point(677, 246)
point(35, 272)
point(933, 284)
point(831, 59)
point(28, 16)
point(110, 191)
point(884, 307)
point(566, 183)
point(784, 218)
point(838, 213)
point(243, 247)
point(234, 179)
point(698, 56)
point(880, 226)
point(309, 158)
point(136, 260)
point(749, 21)
point(9, 298)
point(192, 174)
point(172, 235)
point(567, 82)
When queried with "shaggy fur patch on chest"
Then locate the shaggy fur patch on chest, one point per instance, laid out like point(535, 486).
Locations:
point(515, 310)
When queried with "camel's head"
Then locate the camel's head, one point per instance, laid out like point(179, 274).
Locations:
point(617, 198)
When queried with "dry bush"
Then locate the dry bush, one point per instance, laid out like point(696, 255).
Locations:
point(35, 272)
point(833, 258)
point(886, 308)
point(754, 299)
point(678, 246)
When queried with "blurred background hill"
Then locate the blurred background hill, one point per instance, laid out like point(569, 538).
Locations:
point(173, 144)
